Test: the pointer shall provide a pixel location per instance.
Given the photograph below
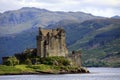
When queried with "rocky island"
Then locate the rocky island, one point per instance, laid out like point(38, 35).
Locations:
point(50, 57)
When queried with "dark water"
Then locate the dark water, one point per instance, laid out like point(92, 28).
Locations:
point(96, 74)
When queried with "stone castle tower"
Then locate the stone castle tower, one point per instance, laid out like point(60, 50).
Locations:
point(51, 42)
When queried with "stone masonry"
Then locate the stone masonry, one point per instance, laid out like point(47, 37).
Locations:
point(51, 42)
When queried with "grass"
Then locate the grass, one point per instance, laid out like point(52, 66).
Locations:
point(41, 67)
point(47, 66)
point(24, 68)
point(9, 69)
point(35, 69)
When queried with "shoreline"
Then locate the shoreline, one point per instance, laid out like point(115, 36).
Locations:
point(82, 71)
point(42, 73)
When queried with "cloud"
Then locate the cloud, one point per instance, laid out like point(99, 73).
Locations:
point(9, 5)
point(97, 7)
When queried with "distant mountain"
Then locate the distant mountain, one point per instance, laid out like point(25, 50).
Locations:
point(98, 39)
point(16, 21)
point(9, 45)
point(116, 17)
point(18, 28)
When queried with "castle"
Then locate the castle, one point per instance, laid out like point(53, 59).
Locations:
point(51, 42)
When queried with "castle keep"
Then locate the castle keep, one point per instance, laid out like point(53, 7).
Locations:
point(51, 43)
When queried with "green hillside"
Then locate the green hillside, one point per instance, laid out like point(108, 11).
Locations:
point(18, 28)
point(96, 39)
point(99, 40)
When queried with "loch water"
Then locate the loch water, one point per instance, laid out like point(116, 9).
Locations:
point(96, 74)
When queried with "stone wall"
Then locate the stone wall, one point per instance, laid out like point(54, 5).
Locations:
point(75, 57)
point(51, 43)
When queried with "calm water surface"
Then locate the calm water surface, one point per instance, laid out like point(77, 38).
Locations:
point(96, 74)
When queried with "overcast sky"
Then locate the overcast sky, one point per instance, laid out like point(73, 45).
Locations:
point(105, 8)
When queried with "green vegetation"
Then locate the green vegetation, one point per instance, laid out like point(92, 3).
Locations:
point(40, 68)
point(12, 61)
point(103, 56)
point(96, 38)
point(53, 65)
point(9, 69)
point(100, 44)
point(28, 62)
point(55, 61)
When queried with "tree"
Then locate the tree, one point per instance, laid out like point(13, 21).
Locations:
point(12, 61)
point(28, 61)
